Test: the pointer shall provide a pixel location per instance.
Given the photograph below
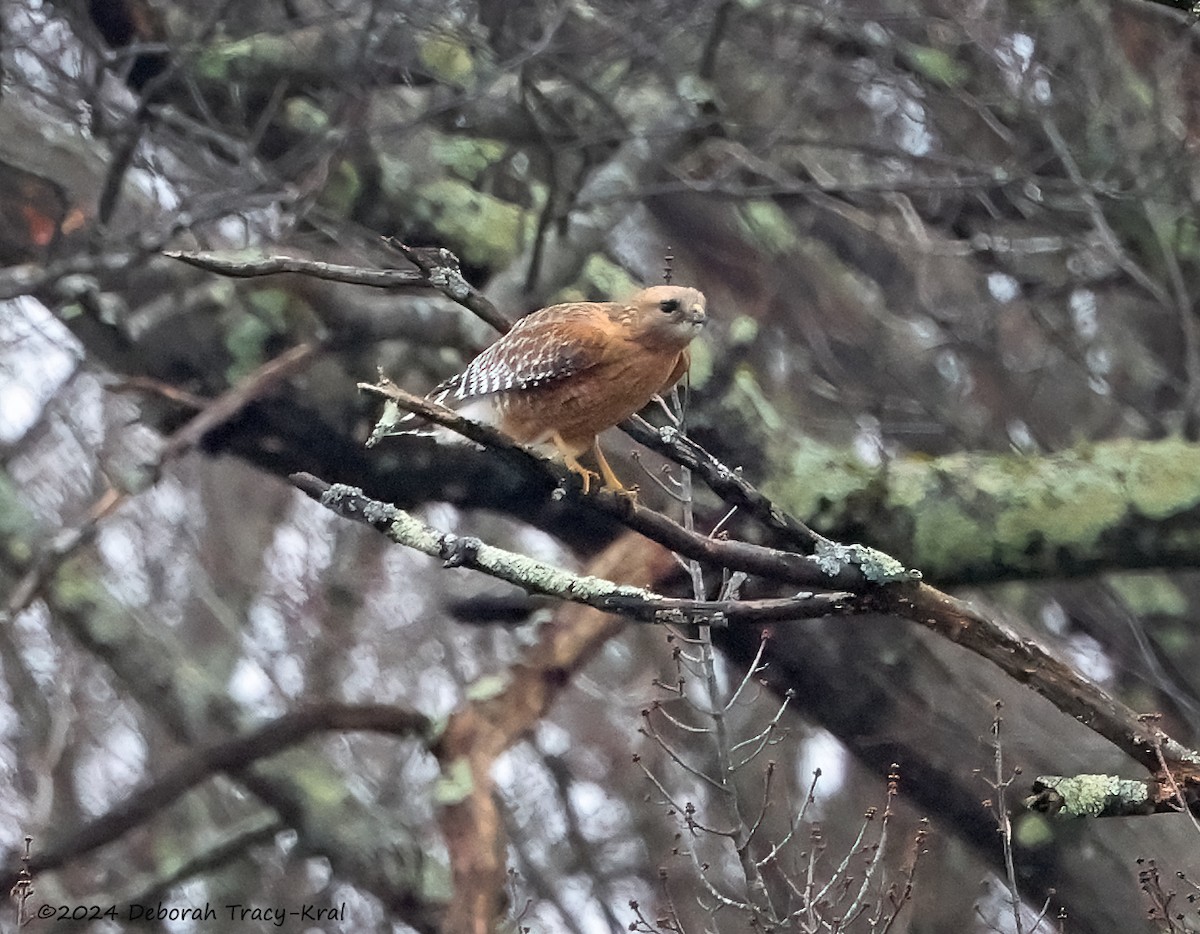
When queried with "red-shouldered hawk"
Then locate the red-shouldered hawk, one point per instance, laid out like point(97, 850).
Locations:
point(566, 373)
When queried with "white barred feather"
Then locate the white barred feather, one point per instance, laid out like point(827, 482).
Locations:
point(534, 352)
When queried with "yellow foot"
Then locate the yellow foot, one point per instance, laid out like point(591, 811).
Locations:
point(611, 481)
point(585, 475)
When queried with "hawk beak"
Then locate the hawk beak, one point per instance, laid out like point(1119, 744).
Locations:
point(697, 316)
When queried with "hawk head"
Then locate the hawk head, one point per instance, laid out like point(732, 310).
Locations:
point(666, 315)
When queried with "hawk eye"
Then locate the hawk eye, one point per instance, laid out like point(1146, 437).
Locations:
point(669, 305)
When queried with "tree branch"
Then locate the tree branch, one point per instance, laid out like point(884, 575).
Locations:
point(240, 265)
point(1073, 796)
point(436, 269)
point(265, 378)
point(727, 484)
point(1028, 663)
point(837, 567)
point(535, 576)
point(850, 568)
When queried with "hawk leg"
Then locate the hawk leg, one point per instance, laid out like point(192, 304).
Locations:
point(610, 479)
point(573, 465)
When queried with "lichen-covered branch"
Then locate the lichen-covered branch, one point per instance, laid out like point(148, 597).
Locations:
point(1023, 659)
point(1072, 796)
point(985, 517)
point(535, 576)
point(442, 271)
point(882, 585)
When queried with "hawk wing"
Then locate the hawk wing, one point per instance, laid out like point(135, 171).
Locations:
point(548, 345)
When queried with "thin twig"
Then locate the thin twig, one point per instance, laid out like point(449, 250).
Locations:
point(676, 722)
point(1000, 810)
point(1168, 776)
point(751, 670)
point(1108, 236)
point(236, 398)
point(764, 736)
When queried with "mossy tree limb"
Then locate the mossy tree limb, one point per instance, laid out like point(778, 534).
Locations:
point(983, 517)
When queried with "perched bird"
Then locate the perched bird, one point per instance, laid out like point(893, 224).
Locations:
point(566, 373)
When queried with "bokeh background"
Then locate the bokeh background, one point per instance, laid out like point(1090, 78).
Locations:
point(926, 230)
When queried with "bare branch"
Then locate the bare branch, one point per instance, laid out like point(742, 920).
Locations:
point(211, 415)
point(232, 755)
point(232, 401)
point(259, 830)
point(240, 265)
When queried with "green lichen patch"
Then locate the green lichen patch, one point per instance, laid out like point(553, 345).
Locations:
point(321, 786)
point(607, 278)
point(943, 532)
point(1032, 831)
point(748, 394)
point(1164, 476)
point(1068, 503)
point(245, 58)
point(455, 785)
point(304, 116)
point(972, 511)
point(488, 687)
point(342, 189)
point(877, 567)
point(16, 522)
point(467, 157)
point(448, 59)
point(485, 230)
point(808, 475)
point(743, 330)
point(246, 342)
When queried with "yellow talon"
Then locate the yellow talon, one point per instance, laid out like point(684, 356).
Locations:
point(611, 481)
